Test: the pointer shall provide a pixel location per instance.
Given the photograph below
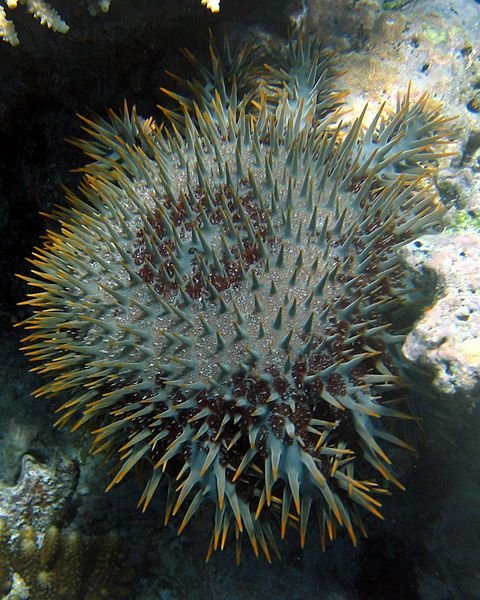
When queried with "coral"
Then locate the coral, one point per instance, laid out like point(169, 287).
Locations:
point(39, 497)
point(96, 6)
point(447, 337)
point(40, 561)
point(464, 220)
point(61, 565)
point(216, 303)
point(47, 15)
point(213, 5)
point(40, 10)
point(347, 23)
point(7, 29)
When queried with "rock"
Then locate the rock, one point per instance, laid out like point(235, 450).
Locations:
point(40, 495)
point(447, 337)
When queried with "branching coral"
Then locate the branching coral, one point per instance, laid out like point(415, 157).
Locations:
point(40, 10)
point(213, 5)
point(217, 302)
point(61, 565)
point(47, 15)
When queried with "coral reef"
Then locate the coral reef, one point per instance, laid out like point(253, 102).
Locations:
point(447, 337)
point(424, 43)
point(217, 303)
point(40, 495)
point(60, 565)
point(44, 554)
point(465, 220)
point(348, 23)
point(47, 15)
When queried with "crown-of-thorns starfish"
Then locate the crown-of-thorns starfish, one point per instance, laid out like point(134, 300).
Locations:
point(215, 298)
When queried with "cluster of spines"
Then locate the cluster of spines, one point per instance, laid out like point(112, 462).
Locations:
point(408, 142)
point(194, 437)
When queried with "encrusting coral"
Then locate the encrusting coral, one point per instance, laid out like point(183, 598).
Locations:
point(41, 495)
point(61, 565)
point(47, 15)
point(217, 300)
